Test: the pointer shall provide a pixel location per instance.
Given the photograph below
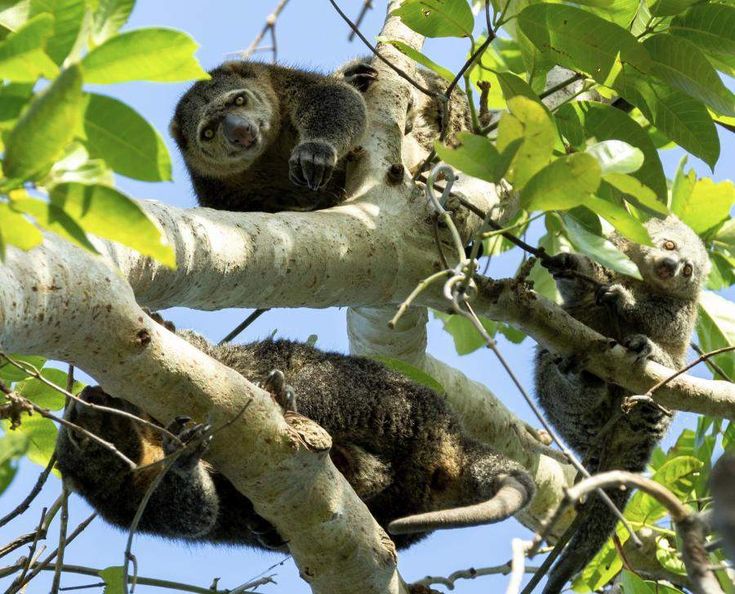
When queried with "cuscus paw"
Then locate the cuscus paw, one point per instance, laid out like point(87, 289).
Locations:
point(640, 345)
point(281, 392)
point(608, 294)
point(266, 533)
point(311, 164)
point(360, 76)
point(186, 433)
point(561, 264)
point(158, 318)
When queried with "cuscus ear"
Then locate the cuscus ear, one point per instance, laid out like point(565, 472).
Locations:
point(174, 129)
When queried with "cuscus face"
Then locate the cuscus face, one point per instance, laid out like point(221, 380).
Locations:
point(677, 262)
point(224, 124)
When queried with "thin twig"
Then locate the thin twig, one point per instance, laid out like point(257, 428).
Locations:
point(25, 504)
point(244, 324)
point(269, 27)
point(689, 366)
point(468, 574)
point(366, 6)
point(64, 524)
point(715, 367)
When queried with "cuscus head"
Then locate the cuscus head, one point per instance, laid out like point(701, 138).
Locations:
point(223, 124)
point(676, 263)
point(486, 489)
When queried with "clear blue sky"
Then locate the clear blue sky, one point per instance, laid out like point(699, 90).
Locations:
point(310, 34)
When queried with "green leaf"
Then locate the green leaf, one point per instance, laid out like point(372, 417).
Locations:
point(543, 283)
point(41, 435)
point(681, 118)
point(640, 196)
point(599, 248)
point(475, 155)
point(619, 218)
point(116, 133)
point(604, 122)
point(54, 219)
point(105, 212)
point(13, 445)
point(46, 128)
point(632, 584)
point(44, 395)
point(513, 85)
point(567, 182)
point(22, 55)
point(413, 373)
point(13, 99)
point(16, 230)
point(670, 7)
point(527, 120)
point(680, 64)
point(419, 58)
point(76, 166)
point(162, 55)
point(68, 17)
point(582, 41)
point(711, 26)
point(113, 577)
point(437, 18)
point(109, 17)
point(669, 558)
point(716, 329)
point(11, 373)
point(466, 337)
point(616, 156)
point(702, 203)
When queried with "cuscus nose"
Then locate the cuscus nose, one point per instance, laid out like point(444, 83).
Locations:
point(666, 267)
point(239, 131)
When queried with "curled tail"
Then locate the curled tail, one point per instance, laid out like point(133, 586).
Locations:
point(595, 527)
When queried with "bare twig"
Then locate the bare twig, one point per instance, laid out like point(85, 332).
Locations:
point(366, 6)
point(686, 368)
point(269, 27)
point(38, 534)
point(468, 574)
point(715, 367)
point(244, 324)
point(25, 504)
point(62, 536)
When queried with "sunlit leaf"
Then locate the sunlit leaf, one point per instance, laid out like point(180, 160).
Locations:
point(54, 219)
point(420, 58)
point(16, 230)
point(22, 55)
point(413, 373)
point(105, 212)
point(11, 373)
point(466, 337)
point(640, 196)
point(716, 328)
point(13, 445)
point(45, 128)
point(113, 577)
point(567, 182)
point(701, 203)
point(109, 17)
point(437, 18)
point(116, 133)
point(475, 155)
point(710, 26)
point(155, 54)
point(616, 156)
point(41, 435)
point(621, 219)
point(44, 395)
point(68, 17)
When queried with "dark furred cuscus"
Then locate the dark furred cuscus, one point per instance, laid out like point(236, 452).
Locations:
point(396, 442)
point(654, 318)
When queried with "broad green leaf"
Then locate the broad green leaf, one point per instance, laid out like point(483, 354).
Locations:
point(419, 58)
point(68, 17)
point(598, 248)
point(14, 13)
point(109, 17)
point(22, 55)
point(413, 373)
point(527, 120)
point(722, 273)
point(706, 204)
point(107, 213)
point(604, 122)
point(41, 435)
point(681, 65)
point(678, 116)
point(621, 219)
point(76, 166)
point(567, 182)
point(513, 85)
point(603, 567)
point(466, 337)
point(116, 133)
point(16, 230)
point(44, 395)
point(437, 18)
point(583, 41)
point(632, 584)
point(670, 559)
point(13, 445)
point(162, 55)
point(640, 196)
point(662, 8)
point(11, 373)
point(45, 128)
point(54, 219)
point(616, 156)
point(711, 26)
point(13, 98)
point(475, 155)
point(113, 577)
point(716, 328)
point(543, 283)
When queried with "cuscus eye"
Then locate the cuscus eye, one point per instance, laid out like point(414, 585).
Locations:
point(208, 133)
point(240, 100)
point(669, 245)
point(687, 271)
